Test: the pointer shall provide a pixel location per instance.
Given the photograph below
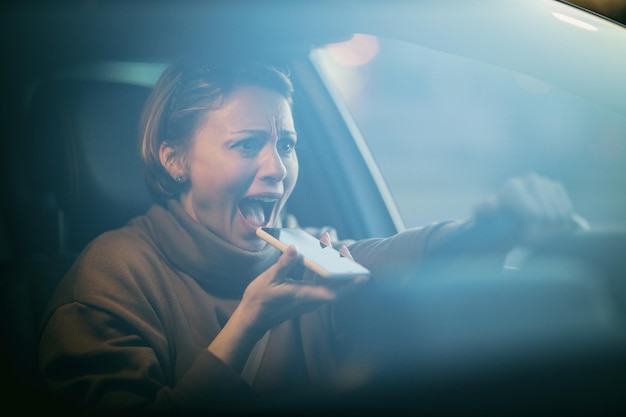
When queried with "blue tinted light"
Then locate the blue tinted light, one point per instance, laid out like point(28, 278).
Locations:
point(574, 22)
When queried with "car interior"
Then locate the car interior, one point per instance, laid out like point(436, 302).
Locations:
point(73, 90)
point(72, 169)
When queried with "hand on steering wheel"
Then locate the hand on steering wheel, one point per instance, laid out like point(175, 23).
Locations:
point(540, 208)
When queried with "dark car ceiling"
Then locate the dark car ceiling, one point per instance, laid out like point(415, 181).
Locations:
point(521, 36)
point(48, 34)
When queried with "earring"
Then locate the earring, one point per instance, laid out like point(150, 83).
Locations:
point(179, 179)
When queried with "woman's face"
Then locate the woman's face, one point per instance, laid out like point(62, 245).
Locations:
point(242, 166)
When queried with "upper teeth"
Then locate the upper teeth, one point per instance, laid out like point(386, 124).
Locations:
point(264, 199)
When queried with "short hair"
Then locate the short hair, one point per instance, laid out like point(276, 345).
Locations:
point(178, 103)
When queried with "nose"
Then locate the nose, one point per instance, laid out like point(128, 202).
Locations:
point(272, 168)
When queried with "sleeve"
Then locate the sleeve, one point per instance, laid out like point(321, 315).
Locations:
point(399, 256)
point(91, 361)
point(104, 347)
point(428, 249)
point(435, 249)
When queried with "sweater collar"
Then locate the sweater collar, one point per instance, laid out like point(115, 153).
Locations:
point(196, 251)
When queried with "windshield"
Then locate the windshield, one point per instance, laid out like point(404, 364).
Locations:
point(445, 130)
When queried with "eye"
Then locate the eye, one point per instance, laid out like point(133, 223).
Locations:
point(286, 146)
point(247, 145)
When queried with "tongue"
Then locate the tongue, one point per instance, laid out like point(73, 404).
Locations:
point(253, 213)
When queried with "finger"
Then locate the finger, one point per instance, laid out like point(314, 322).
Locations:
point(549, 209)
point(284, 264)
point(563, 201)
point(555, 204)
point(540, 191)
point(559, 216)
point(325, 239)
point(569, 217)
point(309, 276)
point(519, 195)
point(345, 252)
point(332, 233)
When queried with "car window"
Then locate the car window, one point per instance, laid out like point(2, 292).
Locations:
point(446, 130)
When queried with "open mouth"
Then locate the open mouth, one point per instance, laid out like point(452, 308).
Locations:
point(257, 211)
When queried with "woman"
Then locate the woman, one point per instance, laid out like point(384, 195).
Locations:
point(185, 307)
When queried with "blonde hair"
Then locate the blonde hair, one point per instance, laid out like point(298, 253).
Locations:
point(180, 99)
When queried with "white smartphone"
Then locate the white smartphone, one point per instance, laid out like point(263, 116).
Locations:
point(323, 260)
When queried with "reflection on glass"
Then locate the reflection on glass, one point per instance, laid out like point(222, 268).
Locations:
point(446, 130)
point(574, 21)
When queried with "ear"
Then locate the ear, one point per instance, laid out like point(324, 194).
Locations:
point(172, 160)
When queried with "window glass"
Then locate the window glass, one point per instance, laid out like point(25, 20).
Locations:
point(445, 131)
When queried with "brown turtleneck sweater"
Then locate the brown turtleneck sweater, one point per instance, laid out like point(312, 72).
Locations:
point(128, 327)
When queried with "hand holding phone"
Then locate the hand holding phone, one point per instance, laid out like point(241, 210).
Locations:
point(321, 259)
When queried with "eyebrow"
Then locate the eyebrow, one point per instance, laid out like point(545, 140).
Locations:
point(263, 131)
